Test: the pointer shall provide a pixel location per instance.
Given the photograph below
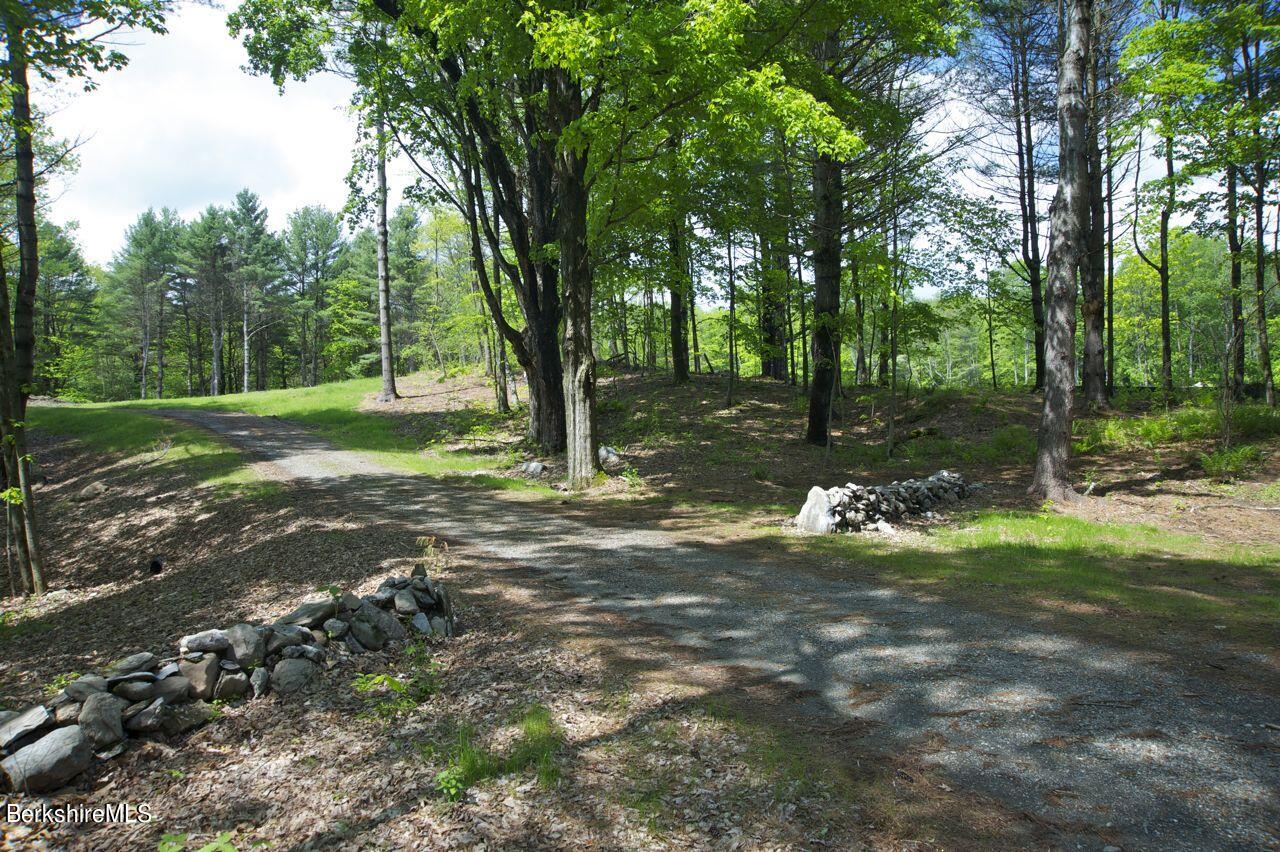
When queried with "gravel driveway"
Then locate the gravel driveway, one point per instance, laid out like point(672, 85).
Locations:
point(1089, 739)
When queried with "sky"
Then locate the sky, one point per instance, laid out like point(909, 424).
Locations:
point(183, 126)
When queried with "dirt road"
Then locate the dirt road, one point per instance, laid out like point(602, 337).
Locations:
point(1093, 740)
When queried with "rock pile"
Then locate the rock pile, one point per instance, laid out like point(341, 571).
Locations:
point(144, 696)
point(851, 508)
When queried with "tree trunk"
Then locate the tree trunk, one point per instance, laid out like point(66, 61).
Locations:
point(18, 340)
point(1111, 270)
point(1166, 329)
point(13, 439)
point(1030, 209)
point(1260, 289)
point(1093, 269)
point(25, 210)
point(773, 352)
point(1254, 82)
point(160, 335)
point(575, 274)
point(388, 392)
point(146, 346)
point(733, 320)
point(693, 322)
point(828, 196)
point(1068, 217)
point(679, 287)
point(1235, 366)
point(244, 337)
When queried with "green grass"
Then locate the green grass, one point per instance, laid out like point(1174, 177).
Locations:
point(157, 443)
point(534, 748)
point(331, 411)
point(1190, 422)
point(1029, 561)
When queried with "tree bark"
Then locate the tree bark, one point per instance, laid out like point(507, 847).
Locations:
point(773, 342)
point(680, 286)
point(1068, 218)
point(828, 195)
point(1253, 88)
point(1166, 325)
point(245, 337)
point(1234, 369)
point(13, 439)
point(388, 392)
point(1093, 270)
point(18, 339)
point(1030, 206)
point(575, 274)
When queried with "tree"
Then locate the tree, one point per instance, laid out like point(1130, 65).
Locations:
point(1068, 218)
point(57, 38)
point(252, 266)
point(1010, 80)
point(310, 247)
point(141, 274)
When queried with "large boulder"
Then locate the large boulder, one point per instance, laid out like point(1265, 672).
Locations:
point(101, 719)
point(290, 676)
point(202, 675)
point(247, 645)
point(24, 724)
point(50, 761)
point(819, 512)
point(311, 614)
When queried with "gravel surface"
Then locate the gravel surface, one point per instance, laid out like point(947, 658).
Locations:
point(1094, 741)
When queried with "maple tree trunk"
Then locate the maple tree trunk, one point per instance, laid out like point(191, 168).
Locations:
point(576, 281)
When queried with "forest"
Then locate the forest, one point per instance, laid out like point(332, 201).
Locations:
point(704, 249)
point(1037, 242)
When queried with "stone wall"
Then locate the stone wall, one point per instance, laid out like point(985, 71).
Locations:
point(852, 507)
point(145, 696)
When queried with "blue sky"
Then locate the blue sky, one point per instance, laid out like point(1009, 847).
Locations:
point(184, 126)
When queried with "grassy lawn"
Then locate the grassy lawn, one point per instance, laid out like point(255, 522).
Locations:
point(332, 411)
point(160, 444)
point(1112, 575)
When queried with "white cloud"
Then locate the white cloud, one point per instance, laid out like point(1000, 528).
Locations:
point(184, 126)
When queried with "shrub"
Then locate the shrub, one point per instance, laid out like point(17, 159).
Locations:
point(1013, 441)
point(1227, 464)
